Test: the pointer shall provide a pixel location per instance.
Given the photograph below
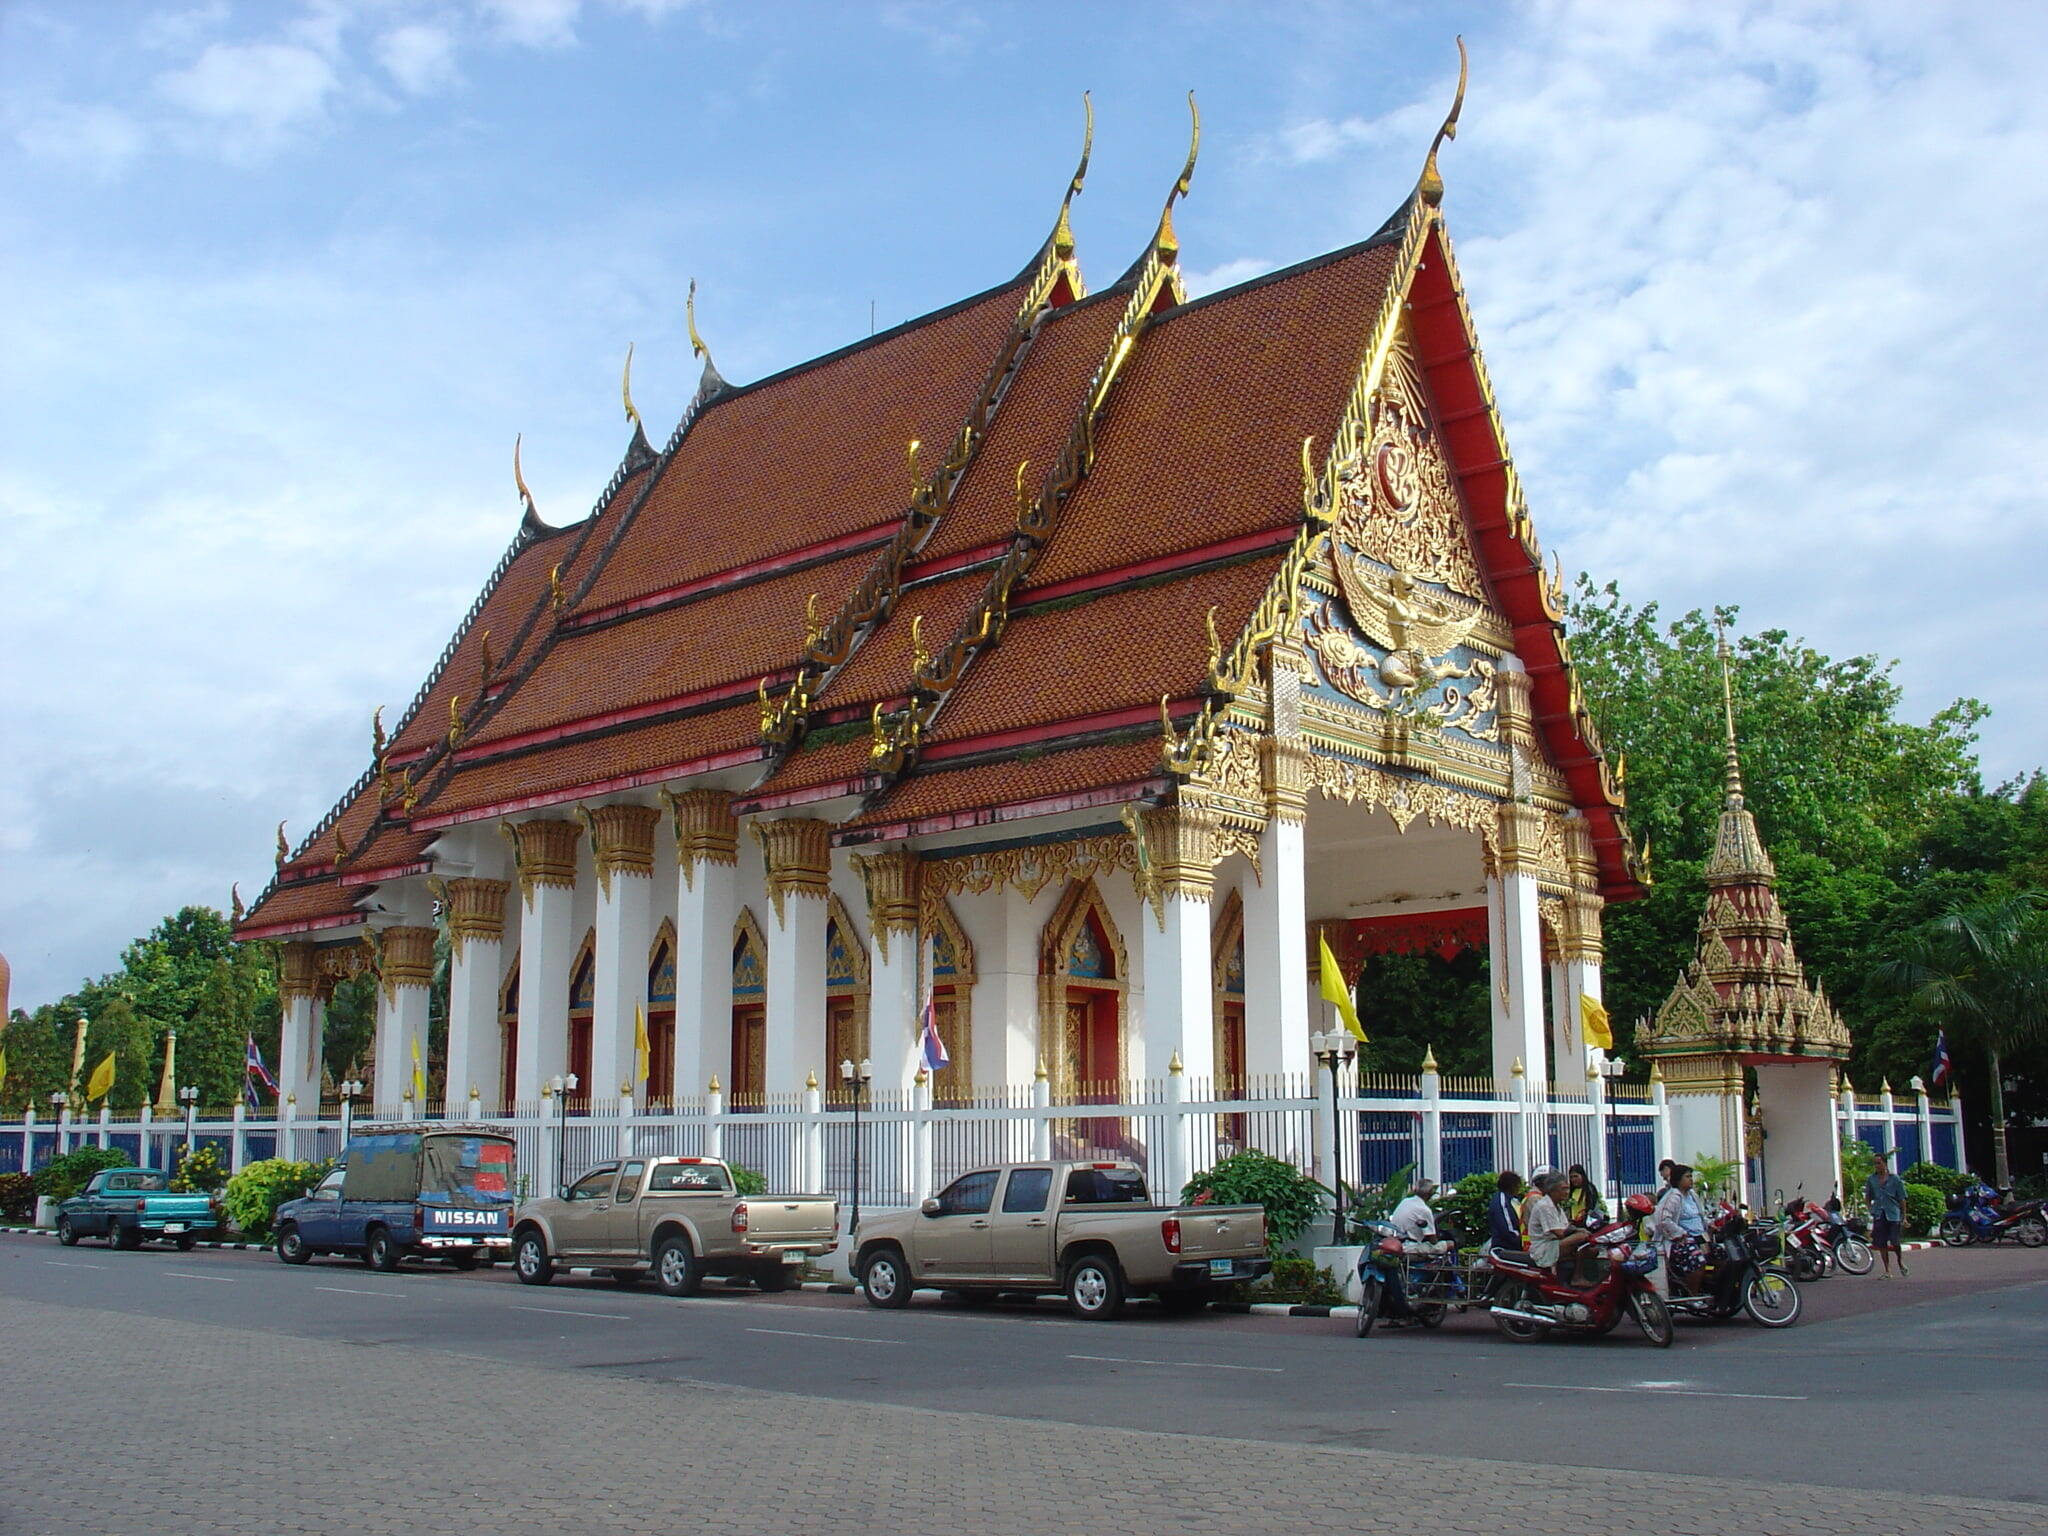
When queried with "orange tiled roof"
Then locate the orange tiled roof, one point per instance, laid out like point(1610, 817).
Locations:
point(982, 792)
point(301, 906)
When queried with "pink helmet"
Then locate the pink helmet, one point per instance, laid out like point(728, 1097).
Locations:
point(1639, 1205)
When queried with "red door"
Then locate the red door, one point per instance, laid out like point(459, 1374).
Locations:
point(508, 1060)
point(661, 1056)
point(749, 1054)
point(579, 1063)
point(1098, 1064)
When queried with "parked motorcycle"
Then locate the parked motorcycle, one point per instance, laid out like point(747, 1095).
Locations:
point(1417, 1282)
point(1806, 1255)
point(1979, 1215)
point(1741, 1275)
point(1531, 1301)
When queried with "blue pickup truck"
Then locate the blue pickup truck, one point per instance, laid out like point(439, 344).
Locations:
point(128, 1205)
point(434, 1190)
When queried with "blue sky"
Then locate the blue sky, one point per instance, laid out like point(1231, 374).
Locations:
point(1759, 286)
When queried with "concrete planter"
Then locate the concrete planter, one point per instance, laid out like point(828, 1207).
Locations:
point(1342, 1263)
point(46, 1211)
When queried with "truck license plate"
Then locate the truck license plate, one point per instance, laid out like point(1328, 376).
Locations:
point(174, 1226)
point(1220, 1269)
point(791, 1256)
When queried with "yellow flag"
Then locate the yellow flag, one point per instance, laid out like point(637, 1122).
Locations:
point(1593, 1022)
point(3, 1064)
point(419, 1076)
point(1336, 993)
point(640, 1045)
point(102, 1082)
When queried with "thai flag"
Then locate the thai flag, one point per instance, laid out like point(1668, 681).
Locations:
point(255, 1074)
point(931, 1049)
point(1943, 1066)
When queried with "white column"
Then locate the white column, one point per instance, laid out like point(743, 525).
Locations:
point(714, 1123)
point(302, 992)
point(1924, 1113)
point(1431, 1085)
point(1955, 1109)
point(238, 1136)
point(406, 957)
point(1596, 1093)
point(476, 930)
point(1276, 991)
point(707, 907)
point(1891, 1123)
point(896, 955)
point(547, 948)
point(811, 1142)
point(625, 932)
point(1180, 1001)
point(798, 857)
point(1517, 965)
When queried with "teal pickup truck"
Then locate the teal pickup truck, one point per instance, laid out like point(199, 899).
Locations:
point(128, 1205)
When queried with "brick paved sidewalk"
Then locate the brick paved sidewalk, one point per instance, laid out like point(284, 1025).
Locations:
point(126, 1425)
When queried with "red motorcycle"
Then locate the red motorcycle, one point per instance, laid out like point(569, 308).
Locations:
point(1530, 1301)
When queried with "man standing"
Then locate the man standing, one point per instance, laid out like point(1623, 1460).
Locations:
point(1886, 1192)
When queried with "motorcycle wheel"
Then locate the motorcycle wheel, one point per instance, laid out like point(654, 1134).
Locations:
point(1513, 1293)
point(1431, 1314)
point(1652, 1316)
point(1368, 1304)
point(1854, 1256)
point(1955, 1231)
point(1771, 1300)
point(1802, 1266)
point(2031, 1233)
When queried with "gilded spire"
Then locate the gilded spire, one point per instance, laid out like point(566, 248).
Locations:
point(1062, 230)
point(626, 389)
point(1431, 187)
point(1739, 854)
point(1164, 241)
point(519, 479)
point(712, 380)
point(1732, 774)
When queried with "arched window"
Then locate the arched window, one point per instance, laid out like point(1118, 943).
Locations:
point(846, 999)
point(661, 1018)
point(582, 1000)
point(952, 973)
point(749, 1014)
point(508, 1037)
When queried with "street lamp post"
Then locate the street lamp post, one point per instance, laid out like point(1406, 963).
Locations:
point(560, 1088)
point(1333, 1050)
point(856, 1076)
point(189, 1097)
point(1610, 1069)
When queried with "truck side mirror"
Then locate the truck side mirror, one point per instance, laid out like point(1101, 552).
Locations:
point(930, 1205)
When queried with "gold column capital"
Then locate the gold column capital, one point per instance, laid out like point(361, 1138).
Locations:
point(405, 959)
point(624, 835)
point(1578, 935)
point(706, 830)
point(299, 974)
point(545, 851)
point(892, 881)
point(476, 910)
point(1515, 708)
point(1283, 763)
point(798, 853)
point(1179, 850)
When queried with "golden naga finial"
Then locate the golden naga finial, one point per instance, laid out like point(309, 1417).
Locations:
point(409, 792)
point(1023, 496)
point(878, 734)
point(377, 742)
point(1432, 184)
point(236, 911)
point(1215, 643)
point(555, 593)
point(767, 709)
point(489, 665)
point(284, 849)
point(812, 628)
point(626, 388)
point(340, 846)
point(519, 477)
point(920, 658)
point(697, 347)
point(1164, 241)
point(454, 719)
point(916, 480)
point(1062, 231)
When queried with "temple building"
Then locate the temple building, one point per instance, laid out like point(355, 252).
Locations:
point(1082, 655)
point(1744, 1008)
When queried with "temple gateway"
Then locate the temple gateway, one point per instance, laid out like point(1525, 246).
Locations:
point(1077, 658)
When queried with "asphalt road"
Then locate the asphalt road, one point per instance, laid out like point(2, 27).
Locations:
point(1858, 1395)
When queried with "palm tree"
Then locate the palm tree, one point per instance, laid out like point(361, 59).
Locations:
point(1981, 974)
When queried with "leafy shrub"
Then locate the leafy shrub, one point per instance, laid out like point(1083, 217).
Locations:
point(62, 1177)
point(251, 1197)
point(1924, 1205)
point(17, 1196)
point(1714, 1176)
point(1950, 1181)
point(199, 1171)
point(1290, 1197)
point(1298, 1280)
point(1376, 1202)
point(746, 1181)
point(1464, 1204)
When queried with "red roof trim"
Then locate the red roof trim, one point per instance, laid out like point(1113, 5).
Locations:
point(297, 925)
point(388, 872)
point(598, 787)
point(739, 575)
point(1223, 549)
point(716, 694)
point(1113, 794)
point(948, 565)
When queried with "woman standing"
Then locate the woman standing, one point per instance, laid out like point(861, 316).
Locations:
point(1679, 1227)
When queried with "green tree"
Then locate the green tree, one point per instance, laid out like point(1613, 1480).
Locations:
point(1981, 973)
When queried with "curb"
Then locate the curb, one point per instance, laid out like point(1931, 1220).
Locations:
point(233, 1247)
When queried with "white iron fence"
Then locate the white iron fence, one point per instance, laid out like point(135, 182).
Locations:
point(898, 1147)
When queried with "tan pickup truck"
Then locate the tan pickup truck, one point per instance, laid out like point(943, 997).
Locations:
point(676, 1218)
point(1088, 1230)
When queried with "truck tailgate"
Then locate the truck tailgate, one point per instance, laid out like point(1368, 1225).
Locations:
point(792, 1218)
point(1221, 1231)
point(196, 1209)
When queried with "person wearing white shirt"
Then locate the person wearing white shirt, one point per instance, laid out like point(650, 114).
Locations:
point(1412, 1218)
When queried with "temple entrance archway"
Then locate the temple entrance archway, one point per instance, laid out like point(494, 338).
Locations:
point(661, 1016)
point(749, 1013)
point(1083, 976)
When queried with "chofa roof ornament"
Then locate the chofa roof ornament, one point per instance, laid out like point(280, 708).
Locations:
point(1431, 187)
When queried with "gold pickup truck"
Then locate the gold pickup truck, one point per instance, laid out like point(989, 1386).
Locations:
point(1085, 1230)
point(676, 1218)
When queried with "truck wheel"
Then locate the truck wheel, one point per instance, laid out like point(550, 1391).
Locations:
point(530, 1260)
point(383, 1254)
point(777, 1277)
point(677, 1270)
point(66, 1233)
point(885, 1280)
point(291, 1247)
point(124, 1237)
point(1095, 1288)
point(187, 1241)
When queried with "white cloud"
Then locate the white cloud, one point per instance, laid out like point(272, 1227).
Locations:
point(1208, 280)
point(420, 58)
point(100, 141)
point(261, 90)
point(534, 23)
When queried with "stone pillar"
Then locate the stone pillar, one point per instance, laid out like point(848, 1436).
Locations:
point(1923, 1112)
point(1575, 974)
point(1179, 880)
point(1276, 993)
point(1802, 1154)
point(1705, 1097)
point(1431, 1088)
point(625, 931)
point(707, 907)
point(895, 963)
point(302, 994)
point(1515, 928)
point(476, 939)
point(546, 861)
point(798, 854)
point(406, 966)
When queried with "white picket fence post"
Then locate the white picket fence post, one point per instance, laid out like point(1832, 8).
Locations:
point(1660, 1136)
point(143, 1149)
point(238, 1145)
point(811, 1138)
point(1596, 1095)
point(106, 1127)
point(921, 1137)
point(28, 1139)
point(1431, 1088)
point(1955, 1110)
point(1891, 1124)
point(714, 1121)
point(476, 1105)
point(287, 1134)
point(1041, 1130)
